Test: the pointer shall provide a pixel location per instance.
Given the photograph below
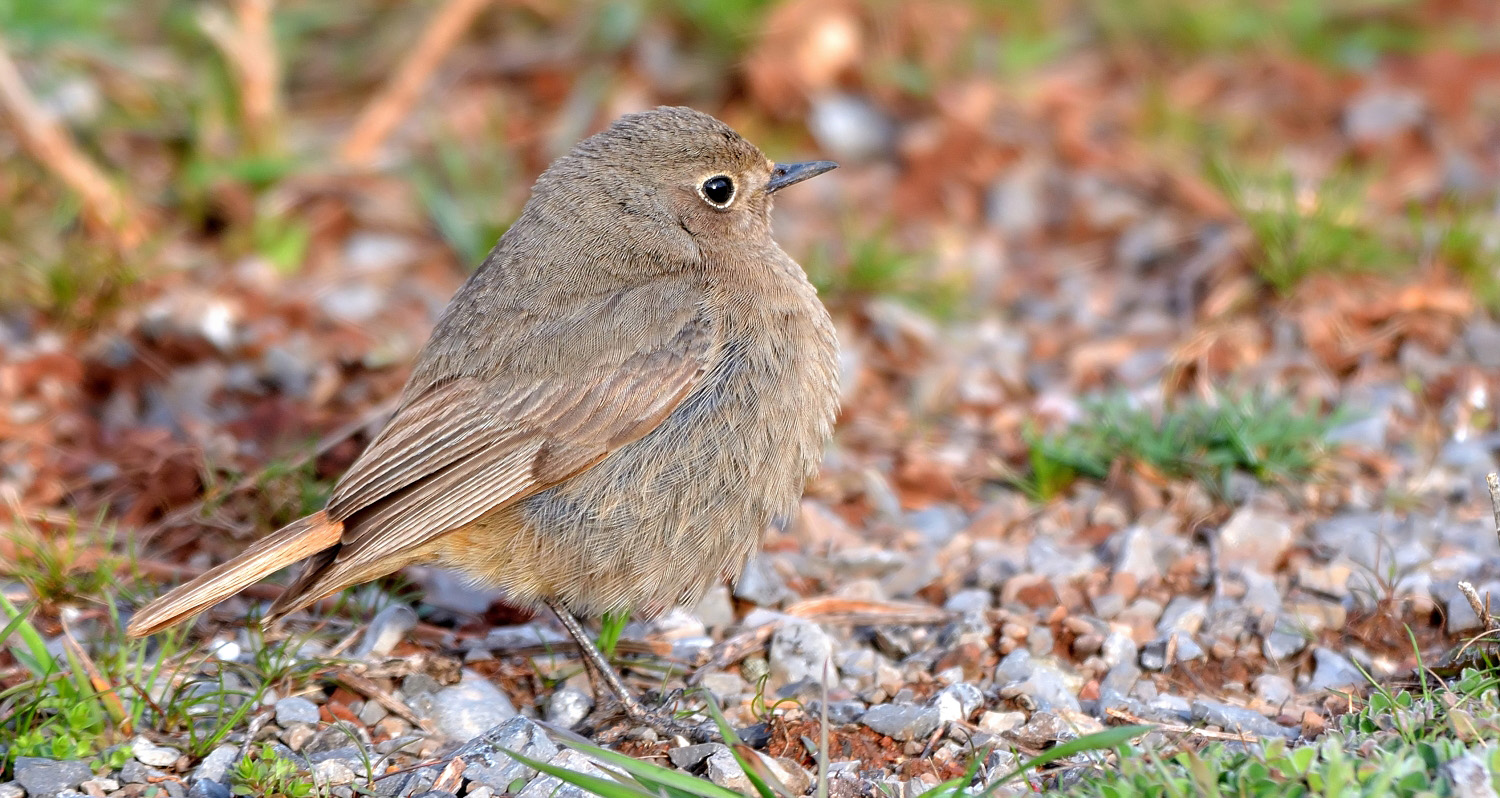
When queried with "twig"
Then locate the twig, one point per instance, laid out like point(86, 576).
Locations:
point(395, 100)
point(369, 689)
point(104, 206)
point(1492, 481)
point(1179, 728)
point(250, 48)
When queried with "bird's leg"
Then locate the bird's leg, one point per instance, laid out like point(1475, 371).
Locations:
point(601, 672)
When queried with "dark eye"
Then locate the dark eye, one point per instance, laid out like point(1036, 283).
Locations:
point(718, 190)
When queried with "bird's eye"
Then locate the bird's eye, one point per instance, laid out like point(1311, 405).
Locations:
point(717, 191)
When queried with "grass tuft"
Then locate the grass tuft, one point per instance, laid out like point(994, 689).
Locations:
point(1272, 440)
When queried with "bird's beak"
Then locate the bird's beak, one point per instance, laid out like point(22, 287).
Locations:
point(785, 174)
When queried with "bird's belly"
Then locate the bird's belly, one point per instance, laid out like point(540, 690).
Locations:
point(663, 518)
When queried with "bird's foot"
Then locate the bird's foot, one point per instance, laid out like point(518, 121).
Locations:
point(660, 718)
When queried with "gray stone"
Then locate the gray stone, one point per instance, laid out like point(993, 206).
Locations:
point(1380, 113)
point(294, 709)
point(1046, 557)
point(133, 772)
point(1482, 337)
point(389, 626)
point(487, 763)
point(967, 601)
point(1331, 670)
point(801, 650)
point(149, 753)
point(957, 702)
point(1114, 689)
point(215, 766)
point(208, 788)
point(1283, 643)
point(936, 524)
point(11, 789)
point(716, 609)
point(902, 721)
point(1137, 553)
point(999, 722)
point(469, 708)
point(1169, 650)
point(1038, 681)
point(553, 787)
point(1238, 719)
point(99, 785)
point(850, 127)
point(721, 768)
point(759, 584)
point(568, 706)
point(839, 712)
point(1470, 776)
point(41, 776)
point(1254, 539)
point(690, 757)
point(334, 772)
point(1183, 614)
point(1118, 647)
point(1015, 203)
point(1273, 689)
point(916, 572)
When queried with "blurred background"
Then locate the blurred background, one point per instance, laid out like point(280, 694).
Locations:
point(1097, 265)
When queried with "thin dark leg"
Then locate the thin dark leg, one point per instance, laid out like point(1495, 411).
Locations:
point(601, 671)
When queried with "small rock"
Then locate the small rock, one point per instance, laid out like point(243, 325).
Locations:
point(11, 789)
point(1273, 689)
point(208, 788)
point(689, 757)
point(1176, 647)
point(850, 127)
point(487, 763)
point(759, 584)
point(901, 721)
point(293, 709)
point(1380, 113)
point(41, 776)
point(389, 627)
point(1332, 670)
point(469, 708)
point(839, 712)
point(568, 706)
point(999, 722)
point(801, 650)
point(98, 786)
point(1282, 643)
point(1183, 614)
point(723, 769)
point(957, 702)
point(1238, 719)
point(716, 609)
point(1470, 775)
point(1254, 539)
point(1043, 729)
point(1043, 684)
point(148, 753)
point(334, 772)
point(967, 601)
point(215, 766)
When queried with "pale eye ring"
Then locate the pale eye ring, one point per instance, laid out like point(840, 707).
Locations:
point(717, 191)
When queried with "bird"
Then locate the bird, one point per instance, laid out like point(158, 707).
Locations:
point(633, 386)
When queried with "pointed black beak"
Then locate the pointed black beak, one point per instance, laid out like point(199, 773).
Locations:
point(786, 174)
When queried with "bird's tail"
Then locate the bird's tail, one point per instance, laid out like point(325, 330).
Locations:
point(294, 542)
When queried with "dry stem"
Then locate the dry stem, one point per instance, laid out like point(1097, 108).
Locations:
point(105, 208)
point(398, 96)
point(249, 46)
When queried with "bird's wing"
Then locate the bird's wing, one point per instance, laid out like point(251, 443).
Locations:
point(466, 447)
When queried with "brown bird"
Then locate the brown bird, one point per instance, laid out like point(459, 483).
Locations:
point(612, 409)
